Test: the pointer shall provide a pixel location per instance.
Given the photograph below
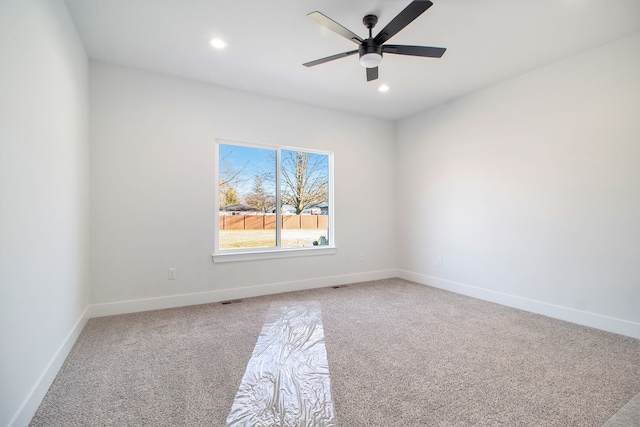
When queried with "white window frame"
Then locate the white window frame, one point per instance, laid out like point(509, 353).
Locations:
point(247, 254)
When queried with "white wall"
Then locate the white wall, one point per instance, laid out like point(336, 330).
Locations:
point(152, 180)
point(530, 191)
point(44, 200)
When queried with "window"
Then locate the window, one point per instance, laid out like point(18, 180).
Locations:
point(272, 201)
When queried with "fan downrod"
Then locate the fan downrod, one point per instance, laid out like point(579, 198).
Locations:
point(369, 46)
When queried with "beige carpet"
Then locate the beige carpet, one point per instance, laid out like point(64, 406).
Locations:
point(399, 353)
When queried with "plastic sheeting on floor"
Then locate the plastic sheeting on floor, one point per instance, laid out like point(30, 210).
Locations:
point(287, 378)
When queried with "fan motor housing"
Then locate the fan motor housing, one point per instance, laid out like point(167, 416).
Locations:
point(369, 46)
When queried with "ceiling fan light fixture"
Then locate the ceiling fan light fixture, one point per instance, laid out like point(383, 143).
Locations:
point(370, 60)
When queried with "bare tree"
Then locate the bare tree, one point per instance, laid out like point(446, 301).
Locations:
point(230, 177)
point(304, 179)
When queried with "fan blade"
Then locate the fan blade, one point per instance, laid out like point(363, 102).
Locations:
point(372, 73)
point(404, 18)
point(330, 58)
point(329, 23)
point(431, 52)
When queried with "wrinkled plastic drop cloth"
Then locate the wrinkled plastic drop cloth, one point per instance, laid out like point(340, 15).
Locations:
point(287, 378)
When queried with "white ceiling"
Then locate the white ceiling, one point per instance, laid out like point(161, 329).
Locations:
point(269, 40)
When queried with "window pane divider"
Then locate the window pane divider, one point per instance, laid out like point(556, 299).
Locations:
point(278, 209)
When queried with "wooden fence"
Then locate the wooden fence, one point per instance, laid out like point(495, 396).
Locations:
point(268, 222)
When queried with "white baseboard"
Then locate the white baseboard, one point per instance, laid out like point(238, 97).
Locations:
point(31, 403)
point(593, 320)
point(134, 306)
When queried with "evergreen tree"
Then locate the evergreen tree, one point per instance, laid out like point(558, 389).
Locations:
point(258, 198)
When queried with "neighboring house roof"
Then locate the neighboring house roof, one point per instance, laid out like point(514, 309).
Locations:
point(237, 207)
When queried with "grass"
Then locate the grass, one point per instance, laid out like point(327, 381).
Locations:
point(235, 239)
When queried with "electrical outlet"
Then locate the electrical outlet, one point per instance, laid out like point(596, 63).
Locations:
point(439, 261)
point(172, 274)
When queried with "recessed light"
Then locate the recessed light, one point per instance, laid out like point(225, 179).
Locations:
point(383, 88)
point(218, 43)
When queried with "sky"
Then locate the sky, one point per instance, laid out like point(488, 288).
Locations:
point(252, 161)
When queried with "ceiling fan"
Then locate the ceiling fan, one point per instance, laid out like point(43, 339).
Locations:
point(372, 48)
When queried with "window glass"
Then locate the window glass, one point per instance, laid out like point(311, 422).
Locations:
point(304, 201)
point(272, 198)
point(247, 195)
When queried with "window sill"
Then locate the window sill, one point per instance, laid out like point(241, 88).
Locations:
point(272, 254)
